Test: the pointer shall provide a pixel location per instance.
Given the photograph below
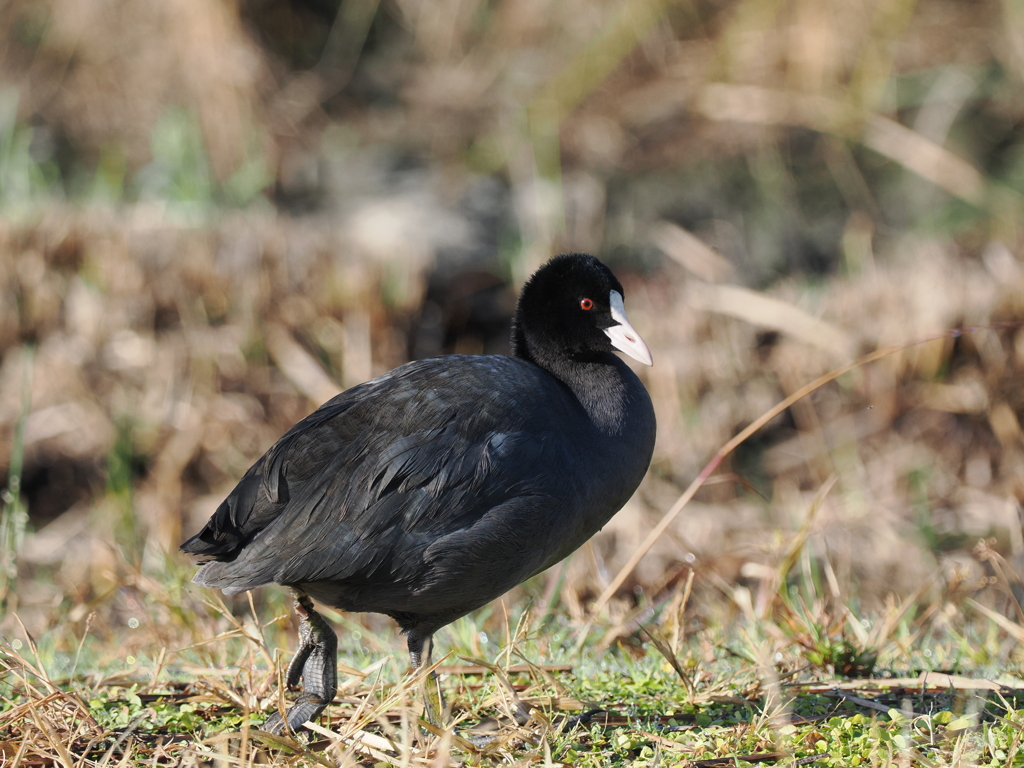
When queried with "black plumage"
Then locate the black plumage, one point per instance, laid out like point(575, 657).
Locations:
point(431, 490)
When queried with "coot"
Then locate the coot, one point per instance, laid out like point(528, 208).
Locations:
point(433, 489)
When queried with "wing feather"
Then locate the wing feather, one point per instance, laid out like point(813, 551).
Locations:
point(360, 487)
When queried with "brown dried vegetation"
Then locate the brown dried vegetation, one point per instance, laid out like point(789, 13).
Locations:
point(173, 349)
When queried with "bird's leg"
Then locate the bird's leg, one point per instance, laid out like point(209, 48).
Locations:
point(433, 698)
point(316, 663)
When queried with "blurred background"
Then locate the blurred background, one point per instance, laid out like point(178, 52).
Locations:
point(214, 215)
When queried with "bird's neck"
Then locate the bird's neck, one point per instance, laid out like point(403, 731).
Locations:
point(599, 381)
point(601, 386)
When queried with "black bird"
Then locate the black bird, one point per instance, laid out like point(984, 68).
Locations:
point(433, 489)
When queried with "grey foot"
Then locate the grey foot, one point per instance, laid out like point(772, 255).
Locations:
point(316, 664)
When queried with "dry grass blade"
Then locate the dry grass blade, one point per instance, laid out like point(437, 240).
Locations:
point(796, 544)
point(677, 611)
point(924, 682)
point(298, 365)
point(728, 762)
point(917, 153)
point(672, 659)
point(285, 743)
point(20, 711)
point(862, 702)
point(442, 758)
point(543, 671)
point(361, 742)
point(216, 603)
point(126, 734)
point(22, 749)
point(691, 252)
point(450, 734)
point(56, 741)
point(885, 629)
point(478, 669)
point(39, 670)
point(564, 91)
point(925, 158)
point(1011, 627)
point(520, 710)
point(758, 309)
point(1005, 574)
point(601, 55)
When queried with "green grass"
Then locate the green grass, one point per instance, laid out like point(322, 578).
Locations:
point(178, 679)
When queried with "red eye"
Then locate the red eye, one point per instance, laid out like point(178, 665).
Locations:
point(586, 304)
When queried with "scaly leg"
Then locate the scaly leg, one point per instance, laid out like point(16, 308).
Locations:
point(316, 663)
point(433, 698)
